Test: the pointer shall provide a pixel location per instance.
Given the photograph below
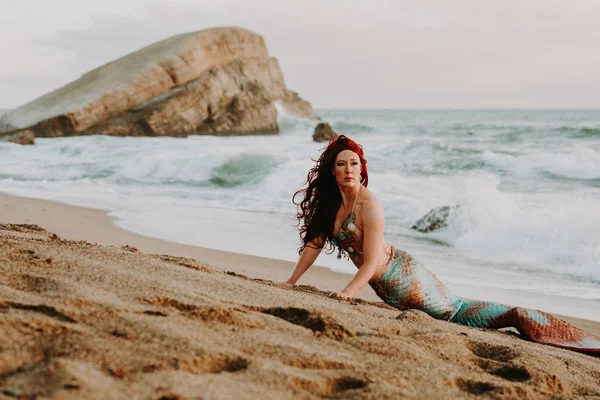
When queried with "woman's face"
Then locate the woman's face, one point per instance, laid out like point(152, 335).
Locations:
point(347, 169)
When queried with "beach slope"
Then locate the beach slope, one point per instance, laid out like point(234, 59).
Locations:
point(81, 320)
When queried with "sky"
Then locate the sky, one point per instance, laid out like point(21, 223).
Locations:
point(335, 53)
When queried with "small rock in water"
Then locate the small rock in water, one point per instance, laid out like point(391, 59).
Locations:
point(324, 133)
point(24, 137)
point(435, 219)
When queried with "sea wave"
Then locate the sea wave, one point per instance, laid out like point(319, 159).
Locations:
point(585, 132)
point(289, 123)
point(543, 231)
point(474, 128)
point(578, 164)
point(343, 127)
point(243, 169)
point(578, 132)
point(575, 164)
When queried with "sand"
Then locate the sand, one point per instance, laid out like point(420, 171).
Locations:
point(91, 311)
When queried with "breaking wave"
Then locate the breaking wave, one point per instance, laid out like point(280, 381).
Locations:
point(243, 170)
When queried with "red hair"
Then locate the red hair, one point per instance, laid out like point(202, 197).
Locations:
point(321, 197)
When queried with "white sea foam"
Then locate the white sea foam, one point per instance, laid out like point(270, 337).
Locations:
point(576, 162)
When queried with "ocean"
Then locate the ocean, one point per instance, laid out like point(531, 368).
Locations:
point(527, 183)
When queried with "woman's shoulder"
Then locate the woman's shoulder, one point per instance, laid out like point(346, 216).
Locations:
point(371, 212)
point(368, 200)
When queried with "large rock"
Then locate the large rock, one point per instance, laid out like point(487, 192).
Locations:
point(324, 132)
point(436, 219)
point(218, 81)
point(24, 136)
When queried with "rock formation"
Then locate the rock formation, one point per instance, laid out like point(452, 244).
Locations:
point(323, 132)
point(218, 81)
point(24, 136)
point(436, 219)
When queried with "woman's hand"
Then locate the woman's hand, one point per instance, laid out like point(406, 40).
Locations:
point(286, 284)
point(343, 295)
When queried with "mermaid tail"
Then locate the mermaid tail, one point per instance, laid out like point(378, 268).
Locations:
point(536, 325)
point(407, 283)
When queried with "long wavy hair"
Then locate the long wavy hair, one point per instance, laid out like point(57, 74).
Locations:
point(321, 198)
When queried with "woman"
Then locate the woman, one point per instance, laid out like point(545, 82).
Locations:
point(337, 210)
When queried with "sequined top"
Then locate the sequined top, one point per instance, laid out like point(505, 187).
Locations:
point(347, 239)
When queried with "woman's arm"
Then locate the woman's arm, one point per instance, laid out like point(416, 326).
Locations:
point(308, 257)
point(373, 223)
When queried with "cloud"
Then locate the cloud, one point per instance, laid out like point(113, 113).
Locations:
point(26, 59)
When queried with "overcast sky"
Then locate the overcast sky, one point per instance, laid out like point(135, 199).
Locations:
point(335, 53)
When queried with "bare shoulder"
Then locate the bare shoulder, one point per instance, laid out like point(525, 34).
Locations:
point(372, 211)
point(368, 200)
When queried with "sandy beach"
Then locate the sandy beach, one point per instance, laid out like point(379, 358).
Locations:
point(93, 311)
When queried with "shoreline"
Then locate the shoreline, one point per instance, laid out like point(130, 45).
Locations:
point(94, 225)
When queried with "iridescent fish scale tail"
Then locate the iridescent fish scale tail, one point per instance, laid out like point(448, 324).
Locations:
point(537, 325)
point(407, 283)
